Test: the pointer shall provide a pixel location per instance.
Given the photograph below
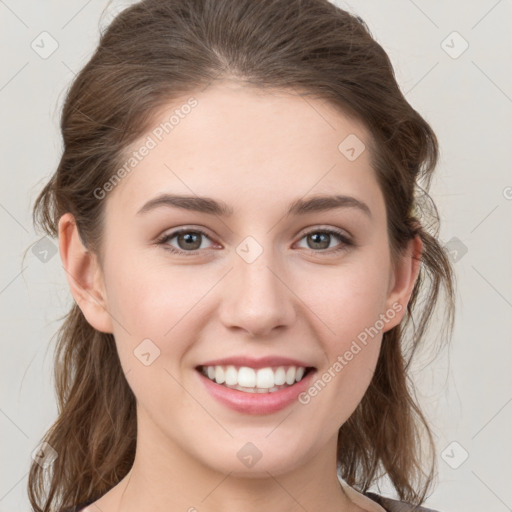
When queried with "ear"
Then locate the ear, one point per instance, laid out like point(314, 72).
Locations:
point(402, 280)
point(84, 275)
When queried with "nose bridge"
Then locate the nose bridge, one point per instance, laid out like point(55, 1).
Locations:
point(257, 300)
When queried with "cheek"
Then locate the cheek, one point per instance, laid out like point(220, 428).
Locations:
point(350, 325)
point(153, 300)
point(351, 306)
point(152, 297)
point(158, 311)
point(350, 298)
point(162, 301)
point(165, 304)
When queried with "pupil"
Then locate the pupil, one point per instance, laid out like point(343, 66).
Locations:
point(190, 239)
point(323, 244)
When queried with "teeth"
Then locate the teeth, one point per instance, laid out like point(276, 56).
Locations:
point(264, 379)
point(231, 376)
point(247, 379)
point(279, 376)
point(219, 374)
point(290, 375)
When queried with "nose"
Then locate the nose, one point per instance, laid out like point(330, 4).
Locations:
point(256, 297)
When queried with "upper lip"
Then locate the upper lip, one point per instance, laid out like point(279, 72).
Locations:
point(251, 362)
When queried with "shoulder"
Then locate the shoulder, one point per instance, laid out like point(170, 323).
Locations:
point(77, 508)
point(392, 505)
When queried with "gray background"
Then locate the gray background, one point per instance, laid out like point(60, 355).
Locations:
point(467, 98)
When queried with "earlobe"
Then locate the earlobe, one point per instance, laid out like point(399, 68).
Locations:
point(403, 279)
point(84, 275)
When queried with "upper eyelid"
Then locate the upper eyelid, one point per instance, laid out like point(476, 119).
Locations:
point(342, 233)
point(175, 232)
point(321, 228)
point(304, 231)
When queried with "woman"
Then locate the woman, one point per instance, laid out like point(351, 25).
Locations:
point(238, 221)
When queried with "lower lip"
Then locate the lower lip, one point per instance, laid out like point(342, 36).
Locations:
point(256, 403)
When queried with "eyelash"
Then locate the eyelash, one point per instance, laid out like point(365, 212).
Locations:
point(345, 242)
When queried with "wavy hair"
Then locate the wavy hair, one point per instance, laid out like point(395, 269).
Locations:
point(158, 50)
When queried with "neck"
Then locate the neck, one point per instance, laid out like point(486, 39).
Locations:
point(165, 478)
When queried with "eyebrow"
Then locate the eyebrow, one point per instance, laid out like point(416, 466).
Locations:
point(213, 207)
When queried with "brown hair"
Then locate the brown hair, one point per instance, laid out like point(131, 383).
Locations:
point(157, 50)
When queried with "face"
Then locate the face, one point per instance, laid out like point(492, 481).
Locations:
point(280, 279)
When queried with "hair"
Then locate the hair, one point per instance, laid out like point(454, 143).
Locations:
point(158, 50)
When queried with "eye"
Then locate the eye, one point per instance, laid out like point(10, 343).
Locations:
point(321, 239)
point(188, 240)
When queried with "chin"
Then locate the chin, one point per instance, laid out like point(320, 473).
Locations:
point(248, 461)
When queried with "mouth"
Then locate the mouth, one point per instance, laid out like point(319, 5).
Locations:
point(255, 380)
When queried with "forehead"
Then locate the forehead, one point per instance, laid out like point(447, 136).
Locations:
point(245, 143)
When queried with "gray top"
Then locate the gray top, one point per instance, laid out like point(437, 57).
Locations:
point(394, 505)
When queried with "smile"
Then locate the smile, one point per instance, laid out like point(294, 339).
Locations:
point(251, 380)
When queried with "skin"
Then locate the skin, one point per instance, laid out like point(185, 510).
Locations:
point(257, 151)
